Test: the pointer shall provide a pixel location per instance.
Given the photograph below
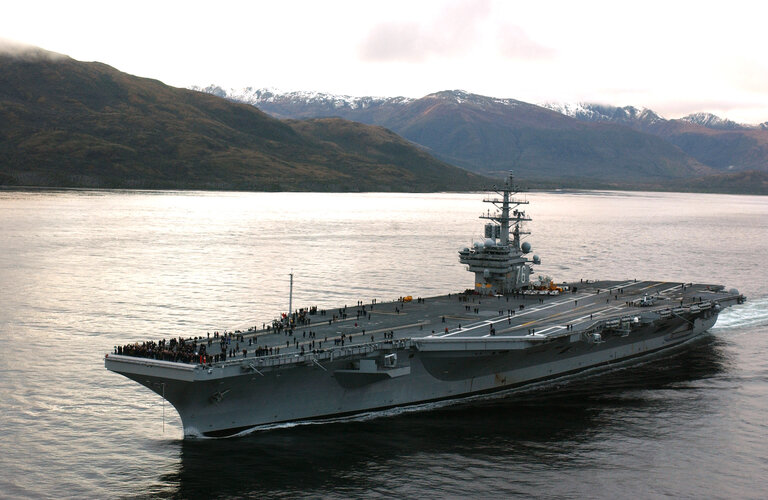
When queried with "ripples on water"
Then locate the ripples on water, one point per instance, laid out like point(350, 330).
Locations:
point(85, 270)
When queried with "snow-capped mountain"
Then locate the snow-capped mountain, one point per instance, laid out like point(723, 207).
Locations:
point(490, 135)
point(482, 133)
point(305, 104)
point(464, 97)
point(714, 141)
point(313, 104)
point(605, 113)
point(640, 118)
point(713, 121)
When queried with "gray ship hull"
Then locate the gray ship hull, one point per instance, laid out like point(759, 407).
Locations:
point(225, 400)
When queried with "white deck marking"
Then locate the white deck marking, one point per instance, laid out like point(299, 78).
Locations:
point(574, 298)
point(498, 319)
point(670, 288)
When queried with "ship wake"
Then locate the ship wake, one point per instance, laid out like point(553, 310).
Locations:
point(752, 313)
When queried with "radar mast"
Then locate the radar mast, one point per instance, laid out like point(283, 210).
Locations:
point(498, 262)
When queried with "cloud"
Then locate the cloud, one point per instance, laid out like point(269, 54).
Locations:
point(747, 74)
point(514, 43)
point(20, 50)
point(742, 111)
point(453, 32)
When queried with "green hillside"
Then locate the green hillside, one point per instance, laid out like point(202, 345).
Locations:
point(76, 124)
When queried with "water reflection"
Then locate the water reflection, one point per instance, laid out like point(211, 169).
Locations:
point(547, 427)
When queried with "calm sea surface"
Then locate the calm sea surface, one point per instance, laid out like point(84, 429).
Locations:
point(83, 271)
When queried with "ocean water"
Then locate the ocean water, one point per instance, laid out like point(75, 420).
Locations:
point(83, 271)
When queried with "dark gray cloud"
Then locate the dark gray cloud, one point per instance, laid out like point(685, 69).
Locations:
point(453, 32)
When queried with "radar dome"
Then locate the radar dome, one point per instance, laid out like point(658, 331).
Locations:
point(526, 247)
point(490, 242)
point(478, 245)
point(536, 259)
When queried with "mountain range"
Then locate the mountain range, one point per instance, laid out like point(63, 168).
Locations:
point(582, 145)
point(68, 123)
point(713, 141)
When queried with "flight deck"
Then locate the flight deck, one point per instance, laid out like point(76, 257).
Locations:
point(533, 315)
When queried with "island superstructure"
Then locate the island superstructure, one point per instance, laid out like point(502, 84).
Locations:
point(498, 262)
point(504, 333)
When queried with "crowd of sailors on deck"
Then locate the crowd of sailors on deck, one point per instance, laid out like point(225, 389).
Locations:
point(231, 344)
point(196, 350)
point(177, 350)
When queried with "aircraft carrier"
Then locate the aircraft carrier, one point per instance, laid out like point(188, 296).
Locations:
point(508, 331)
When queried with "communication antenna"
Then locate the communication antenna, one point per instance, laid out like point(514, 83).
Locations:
point(290, 297)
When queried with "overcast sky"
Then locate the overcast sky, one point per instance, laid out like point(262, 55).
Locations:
point(675, 57)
